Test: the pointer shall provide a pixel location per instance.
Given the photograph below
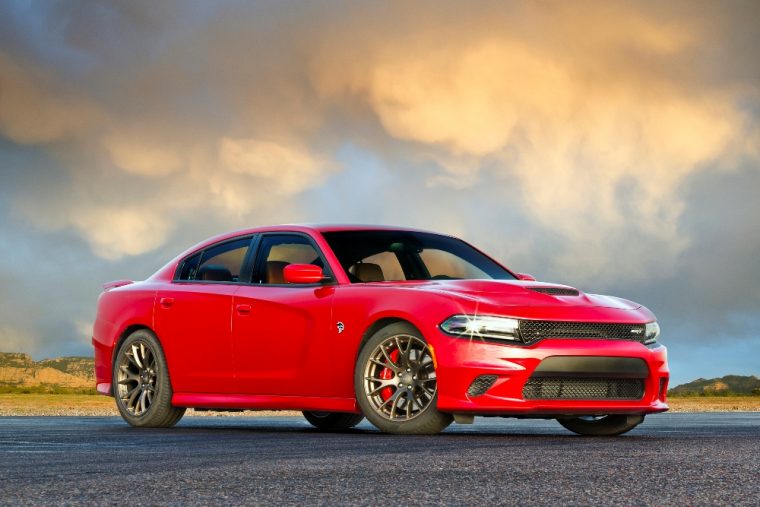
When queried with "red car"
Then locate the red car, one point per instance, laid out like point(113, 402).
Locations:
point(410, 329)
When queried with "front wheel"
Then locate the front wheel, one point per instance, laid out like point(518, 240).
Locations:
point(601, 426)
point(141, 383)
point(396, 384)
point(333, 421)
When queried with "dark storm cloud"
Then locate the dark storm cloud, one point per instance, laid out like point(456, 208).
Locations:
point(612, 146)
point(716, 285)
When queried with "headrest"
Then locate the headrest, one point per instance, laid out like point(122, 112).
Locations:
point(274, 272)
point(368, 272)
point(213, 273)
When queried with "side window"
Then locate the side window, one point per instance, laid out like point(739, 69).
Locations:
point(189, 267)
point(218, 263)
point(379, 267)
point(445, 265)
point(277, 251)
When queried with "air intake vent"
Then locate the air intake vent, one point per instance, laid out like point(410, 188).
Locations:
point(480, 385)
point(533, 330)
point(555, 291)
point(574, 388)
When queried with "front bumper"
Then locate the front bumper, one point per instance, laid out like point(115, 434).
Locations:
point(460, 362)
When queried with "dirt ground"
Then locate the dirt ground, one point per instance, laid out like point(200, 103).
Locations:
point(89, 405)
point(96, 405)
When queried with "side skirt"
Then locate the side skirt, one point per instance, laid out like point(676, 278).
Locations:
point(264, 402)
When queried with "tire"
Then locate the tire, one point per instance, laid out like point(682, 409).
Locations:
point(333, 421)
point(141, 383)
point(604, 426)
point(395, 355)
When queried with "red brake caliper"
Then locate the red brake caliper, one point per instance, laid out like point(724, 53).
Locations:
point(387, 374)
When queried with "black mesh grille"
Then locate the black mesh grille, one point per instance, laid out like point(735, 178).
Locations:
point(573, 388)
point(555, 291)
point(481, 384)
point(534, 330)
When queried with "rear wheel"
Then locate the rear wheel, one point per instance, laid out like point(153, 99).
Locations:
point(601, 426)
point(141, 383)
point(396, 384)
point(333, 421)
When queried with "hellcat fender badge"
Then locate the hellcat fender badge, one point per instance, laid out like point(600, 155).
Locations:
point(340, 327)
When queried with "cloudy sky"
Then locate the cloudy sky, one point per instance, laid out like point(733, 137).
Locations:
point(613, 146)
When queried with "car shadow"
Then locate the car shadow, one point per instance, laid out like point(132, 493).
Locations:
point(297, 426)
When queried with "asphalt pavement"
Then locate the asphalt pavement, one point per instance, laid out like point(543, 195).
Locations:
point(671, 459)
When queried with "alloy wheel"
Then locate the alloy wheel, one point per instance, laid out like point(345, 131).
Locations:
point(399, 378)
point(137, 378)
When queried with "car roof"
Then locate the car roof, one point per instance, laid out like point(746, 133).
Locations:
point(168, 270)
point(304, 227)
point(361, 227)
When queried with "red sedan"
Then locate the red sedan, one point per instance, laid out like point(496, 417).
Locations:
point(410, 329)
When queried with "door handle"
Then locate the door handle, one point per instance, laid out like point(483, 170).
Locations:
point(166, 302)
point(243, 309)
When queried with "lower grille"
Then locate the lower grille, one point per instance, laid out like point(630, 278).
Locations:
point(480, 385)
point(573, 388)
point(534, 330)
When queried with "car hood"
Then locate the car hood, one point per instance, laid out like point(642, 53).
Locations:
point(519, 293)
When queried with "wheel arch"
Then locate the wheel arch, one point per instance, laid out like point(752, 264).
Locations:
point(428, 420)
point(380, 323)
point(123, 336)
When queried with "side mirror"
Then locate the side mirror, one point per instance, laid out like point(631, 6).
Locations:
point(302, 273)
point(526, 277)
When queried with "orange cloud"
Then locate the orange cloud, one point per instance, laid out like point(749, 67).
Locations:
point(596, 114)
point(582, 116)
point(283, 169)
point(34, 109)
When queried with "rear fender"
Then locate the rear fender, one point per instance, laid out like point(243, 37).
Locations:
point(119, 313)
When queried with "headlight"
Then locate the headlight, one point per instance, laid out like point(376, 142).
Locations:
point(651, 332)
point(474, 326)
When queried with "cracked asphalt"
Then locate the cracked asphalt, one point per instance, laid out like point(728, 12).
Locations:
point(671, 459)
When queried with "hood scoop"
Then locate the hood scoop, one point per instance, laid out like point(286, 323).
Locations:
point(555, 291)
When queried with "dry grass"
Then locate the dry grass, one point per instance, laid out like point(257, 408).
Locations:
point(714, 403)
point(56, 404)
point(96, 405)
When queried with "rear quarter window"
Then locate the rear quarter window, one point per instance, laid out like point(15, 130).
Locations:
point(189, 267)
point(222, 262)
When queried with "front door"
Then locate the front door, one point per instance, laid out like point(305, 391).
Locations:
point(279, 329)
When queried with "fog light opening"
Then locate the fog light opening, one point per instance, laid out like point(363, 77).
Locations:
point(480, 385)
point(663, 389)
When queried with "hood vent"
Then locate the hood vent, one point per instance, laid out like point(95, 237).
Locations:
point(555, 291)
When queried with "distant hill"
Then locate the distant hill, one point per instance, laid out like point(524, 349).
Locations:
point(20, 371)
point(730, 384)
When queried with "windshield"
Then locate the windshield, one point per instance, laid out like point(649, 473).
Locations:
point(377, 256)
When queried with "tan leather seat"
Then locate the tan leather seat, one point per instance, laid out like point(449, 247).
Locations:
point(368, 272)
point(274, 273)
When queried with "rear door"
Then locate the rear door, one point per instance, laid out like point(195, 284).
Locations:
point(281, 331)
point(193, 318)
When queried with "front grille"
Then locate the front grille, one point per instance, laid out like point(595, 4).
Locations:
point(481, 384)
point(534, 330)
point(555, 291)
point(574, 388)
